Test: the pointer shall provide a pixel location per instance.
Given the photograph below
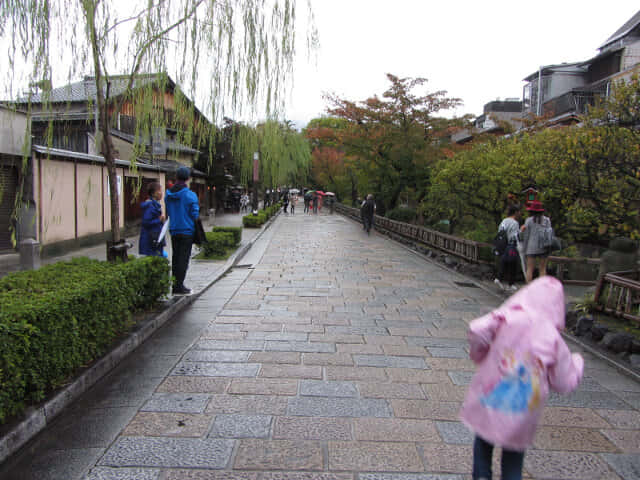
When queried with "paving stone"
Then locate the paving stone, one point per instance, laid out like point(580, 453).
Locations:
point(306, 476)
point(312, 428)
point(566, 465)
point(338, 407)
point(627, 441)
point(631, 399)
point(383, 339)
point(444, 392)
point(389, 361)
point(285, 337)
point(464, 364)
point(290, 371)
point(209, 475)
point(409, 476)
point(230, 345)
point(437, 342)
point(318, 388)
point(455, 432)
point(329, 338)
point(168, 452)
point(404, 350)
point(158, 424)
point(447, 352)
point(572, 417)
point(374, 456)
point(182, 384)
point(327, 359)
point(311, 347)
point(275, 357)
point(210, 369)
point(587, 400)
point(625, 465)
point(621, 418)
point(177, 402)
point(350, 348)
point(395, 430)
point(426, 409)
point(248, 404)
point(241, 426)
point(214, 356)
point(264, 386)
point(410, 375)
point(107, 473)
point(209, 335)
point(355, 373)
point(279, 455)
point(305, 328)
point(356, 330)
point(460, 378)
point(447, 458)
point(390, 390)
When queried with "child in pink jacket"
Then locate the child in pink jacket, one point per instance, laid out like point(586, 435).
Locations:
point(520, 356)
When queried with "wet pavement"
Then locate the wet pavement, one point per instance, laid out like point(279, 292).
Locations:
point(329, 355)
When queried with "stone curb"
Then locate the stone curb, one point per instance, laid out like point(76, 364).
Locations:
point(612, 362)
point(37, 418)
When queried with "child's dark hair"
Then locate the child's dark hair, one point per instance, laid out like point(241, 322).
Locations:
point(153, 188)
point(513, 209)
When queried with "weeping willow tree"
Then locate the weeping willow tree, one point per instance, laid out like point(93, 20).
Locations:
point(284, 153)
point(234, 56)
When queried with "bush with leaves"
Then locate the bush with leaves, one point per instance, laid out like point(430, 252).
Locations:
point(235, 231)
point(402, 214)
point(63, 316)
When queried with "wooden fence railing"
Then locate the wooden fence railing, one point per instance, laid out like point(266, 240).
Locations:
point(618, 293)
point(460, 247)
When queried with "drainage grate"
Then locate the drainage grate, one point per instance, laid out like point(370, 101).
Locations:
point(245, 265)
point(466, 284)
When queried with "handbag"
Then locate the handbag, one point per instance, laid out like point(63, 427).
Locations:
point(199, 237)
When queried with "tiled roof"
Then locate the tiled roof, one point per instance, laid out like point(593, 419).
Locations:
point(85, 90)
point(623, 30)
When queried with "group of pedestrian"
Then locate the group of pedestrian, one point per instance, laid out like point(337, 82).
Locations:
point(522, 245)
point(183, 210)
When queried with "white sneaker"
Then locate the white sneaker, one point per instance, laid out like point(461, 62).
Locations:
point(499, 284)
point(512, 288)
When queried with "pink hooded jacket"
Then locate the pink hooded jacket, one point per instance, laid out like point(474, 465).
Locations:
point(520, 355)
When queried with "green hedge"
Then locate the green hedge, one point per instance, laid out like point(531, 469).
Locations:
point(255, 221)
point(63, 316)
point(236, 231)
point(218, 245)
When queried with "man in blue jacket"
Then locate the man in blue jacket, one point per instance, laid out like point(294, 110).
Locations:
point(183, 210)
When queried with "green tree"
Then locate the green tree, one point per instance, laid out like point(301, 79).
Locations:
point(239, 52)
point(394, 140)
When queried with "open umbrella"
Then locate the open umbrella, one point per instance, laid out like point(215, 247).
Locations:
point(320, 192)
point(331, 194)
point(294, 190)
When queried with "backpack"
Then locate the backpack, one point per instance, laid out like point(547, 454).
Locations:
point(548, 240)
point(500, 242)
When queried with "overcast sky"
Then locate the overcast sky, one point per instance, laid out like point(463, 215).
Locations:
point(476, 50)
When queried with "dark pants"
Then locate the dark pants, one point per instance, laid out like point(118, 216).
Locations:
point(511, 462)
point(181, 246)
point(368, 222)
point(507, 269)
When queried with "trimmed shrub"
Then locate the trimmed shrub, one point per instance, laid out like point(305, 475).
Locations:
point(253, 221)
point(63, 316)
point(218, 244)
point(407, 215)
point(236, 231)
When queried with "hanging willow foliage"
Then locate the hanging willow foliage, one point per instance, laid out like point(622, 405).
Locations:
point(285, 154)
point(234, 57)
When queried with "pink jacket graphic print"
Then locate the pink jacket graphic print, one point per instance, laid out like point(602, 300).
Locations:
point(520, 356)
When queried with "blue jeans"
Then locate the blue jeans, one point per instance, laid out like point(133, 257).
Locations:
point(511, 463)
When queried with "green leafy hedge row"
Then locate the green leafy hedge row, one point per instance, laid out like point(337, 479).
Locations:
point(63, 316)
point(256, 221)
point(220, 242)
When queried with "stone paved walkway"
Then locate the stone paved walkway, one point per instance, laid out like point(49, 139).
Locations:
point(338, 356)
